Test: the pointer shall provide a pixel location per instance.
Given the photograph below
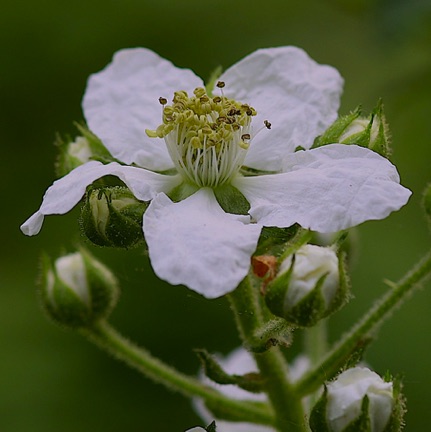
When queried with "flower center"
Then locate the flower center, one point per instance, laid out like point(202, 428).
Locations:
point(207, 138)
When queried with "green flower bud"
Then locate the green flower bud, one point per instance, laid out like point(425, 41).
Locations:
point(309, 286)
point(78, 151)
point(367, 131)
point(358, 400)
point(112, 216)
point(77, 290)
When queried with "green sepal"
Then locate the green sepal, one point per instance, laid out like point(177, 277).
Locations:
point(308, 311)
point(343, 295)
point(276, 292)
point(182, 191)
point(112, 216)
point(363, 422)
point(336, 130)
point(317, 420)
point(103, 286)
point(274, 240)
point(396, 421)
point(231, 200)
point(251, 382)
point(381, 143)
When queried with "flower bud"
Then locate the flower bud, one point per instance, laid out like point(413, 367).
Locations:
point(73, 153)
point(358, 400)
point(112, 216)
point(78, 290)
point(309, 286)
point(367, 131)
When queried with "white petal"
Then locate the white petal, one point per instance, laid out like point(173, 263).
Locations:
point(299, 97)
point(121, 101)
point(66, 192)
point(195, 243)
point(326, 189)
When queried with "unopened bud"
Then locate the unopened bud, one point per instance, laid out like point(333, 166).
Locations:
point(78, 290)
point(78, 151)
point(366, 131)
point(358, 400)
point(309, 286)
point(112, 216)
point(72, 154)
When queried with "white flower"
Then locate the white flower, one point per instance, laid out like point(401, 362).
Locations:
point(194, 241)
point(345, 397)
point(311, 264)
point(240, 362)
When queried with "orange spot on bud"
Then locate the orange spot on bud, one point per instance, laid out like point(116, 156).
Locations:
point(264, 266)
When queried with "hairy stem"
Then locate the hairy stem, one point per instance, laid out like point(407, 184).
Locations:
point(271, 363)
point(108, 339)
point(367, 325)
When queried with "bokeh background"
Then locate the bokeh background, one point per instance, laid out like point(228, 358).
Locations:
point(51, 379)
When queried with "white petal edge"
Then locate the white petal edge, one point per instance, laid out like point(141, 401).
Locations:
point(66, 192)
point(195, 243)
point(326, 189)
point(121, 102)
point(298, 96)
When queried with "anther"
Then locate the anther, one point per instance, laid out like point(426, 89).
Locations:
point(267, 124)
point(220, 84)
point(163, 101)
point(245, 136)
point(199, 92)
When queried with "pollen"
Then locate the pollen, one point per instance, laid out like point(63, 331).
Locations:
point(207, 137)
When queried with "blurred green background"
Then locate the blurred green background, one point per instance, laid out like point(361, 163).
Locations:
point(50, 379)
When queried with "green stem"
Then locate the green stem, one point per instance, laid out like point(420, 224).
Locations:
point(108, 339)
point(363, 329)
point(315, 341)
point(315, 347)
point(272, 365)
